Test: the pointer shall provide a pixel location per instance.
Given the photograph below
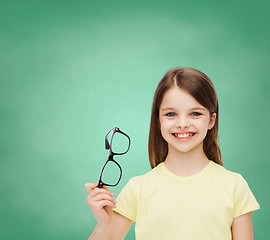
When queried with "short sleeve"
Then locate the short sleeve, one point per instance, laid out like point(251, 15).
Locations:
point(127, 201)
point(244, 200)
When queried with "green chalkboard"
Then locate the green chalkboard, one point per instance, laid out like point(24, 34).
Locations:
point(72, 70)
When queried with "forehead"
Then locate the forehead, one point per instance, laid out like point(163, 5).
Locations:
point(179, 98)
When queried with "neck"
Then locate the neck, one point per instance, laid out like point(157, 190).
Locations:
point(186, 163)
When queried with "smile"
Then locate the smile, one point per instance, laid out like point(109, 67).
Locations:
point(183, 136)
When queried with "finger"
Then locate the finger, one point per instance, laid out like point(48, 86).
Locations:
point(95, 206)
point(106, 203)
point(90, 186)
point(103, 196)
point(100, 201)
point(98, 198)
point(97, 191)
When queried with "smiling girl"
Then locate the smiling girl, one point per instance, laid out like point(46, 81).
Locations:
point(188, 194)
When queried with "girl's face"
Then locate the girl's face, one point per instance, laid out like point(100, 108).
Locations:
point(183, 121)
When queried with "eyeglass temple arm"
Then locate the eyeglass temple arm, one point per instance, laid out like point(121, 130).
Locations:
point(109, 134)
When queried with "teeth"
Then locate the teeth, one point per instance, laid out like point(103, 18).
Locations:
point(185, 135)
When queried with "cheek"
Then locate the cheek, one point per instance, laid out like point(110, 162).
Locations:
point(201, 126)
point(204, 127)
point(162, 127)
point(165, 124)
point(164, 134)
point(165, 127)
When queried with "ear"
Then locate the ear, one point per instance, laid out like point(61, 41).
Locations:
point(212, 121)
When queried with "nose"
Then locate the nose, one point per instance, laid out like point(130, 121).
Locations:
point(182, 123)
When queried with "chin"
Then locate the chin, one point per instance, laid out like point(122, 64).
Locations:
point(188, 149)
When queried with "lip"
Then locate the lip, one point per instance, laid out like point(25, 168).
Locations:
point(183, 139)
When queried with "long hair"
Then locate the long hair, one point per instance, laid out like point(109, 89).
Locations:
point(199, 86)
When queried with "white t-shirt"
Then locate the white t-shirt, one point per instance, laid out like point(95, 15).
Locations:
point(202, 206)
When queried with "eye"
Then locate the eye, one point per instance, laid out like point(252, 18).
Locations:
point(195, 114)
point(171, 114)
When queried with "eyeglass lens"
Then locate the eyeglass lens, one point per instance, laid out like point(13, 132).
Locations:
point(111, 173)
point(119, 143)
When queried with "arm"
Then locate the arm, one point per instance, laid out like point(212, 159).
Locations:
point(242, 227)
point(120, 226)
point(118, 229)
point(111, 225)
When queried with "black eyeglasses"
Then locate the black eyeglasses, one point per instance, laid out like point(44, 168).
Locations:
point(118, 143)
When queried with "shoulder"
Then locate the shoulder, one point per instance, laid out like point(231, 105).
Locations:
point(138, 182)
point(238, 188)
point(229, 180)
point(226, 174)
point(150, 174)
point(133, 188)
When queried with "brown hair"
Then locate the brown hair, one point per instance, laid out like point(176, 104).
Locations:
point(199, 86)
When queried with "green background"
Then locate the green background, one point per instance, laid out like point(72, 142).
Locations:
point(72, 70)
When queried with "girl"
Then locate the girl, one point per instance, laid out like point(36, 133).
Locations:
point(188, 194)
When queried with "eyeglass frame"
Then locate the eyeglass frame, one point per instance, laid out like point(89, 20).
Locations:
point(111, 155)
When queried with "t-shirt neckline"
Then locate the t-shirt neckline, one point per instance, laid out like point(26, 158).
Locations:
point(202, 172)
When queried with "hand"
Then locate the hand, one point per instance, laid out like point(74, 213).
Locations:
point(101, 202)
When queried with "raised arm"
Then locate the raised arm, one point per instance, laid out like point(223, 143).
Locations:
point(242, 227)
point(111, 225)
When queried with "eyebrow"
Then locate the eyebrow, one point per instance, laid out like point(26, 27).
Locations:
point(192, 109)
point(198, 108)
